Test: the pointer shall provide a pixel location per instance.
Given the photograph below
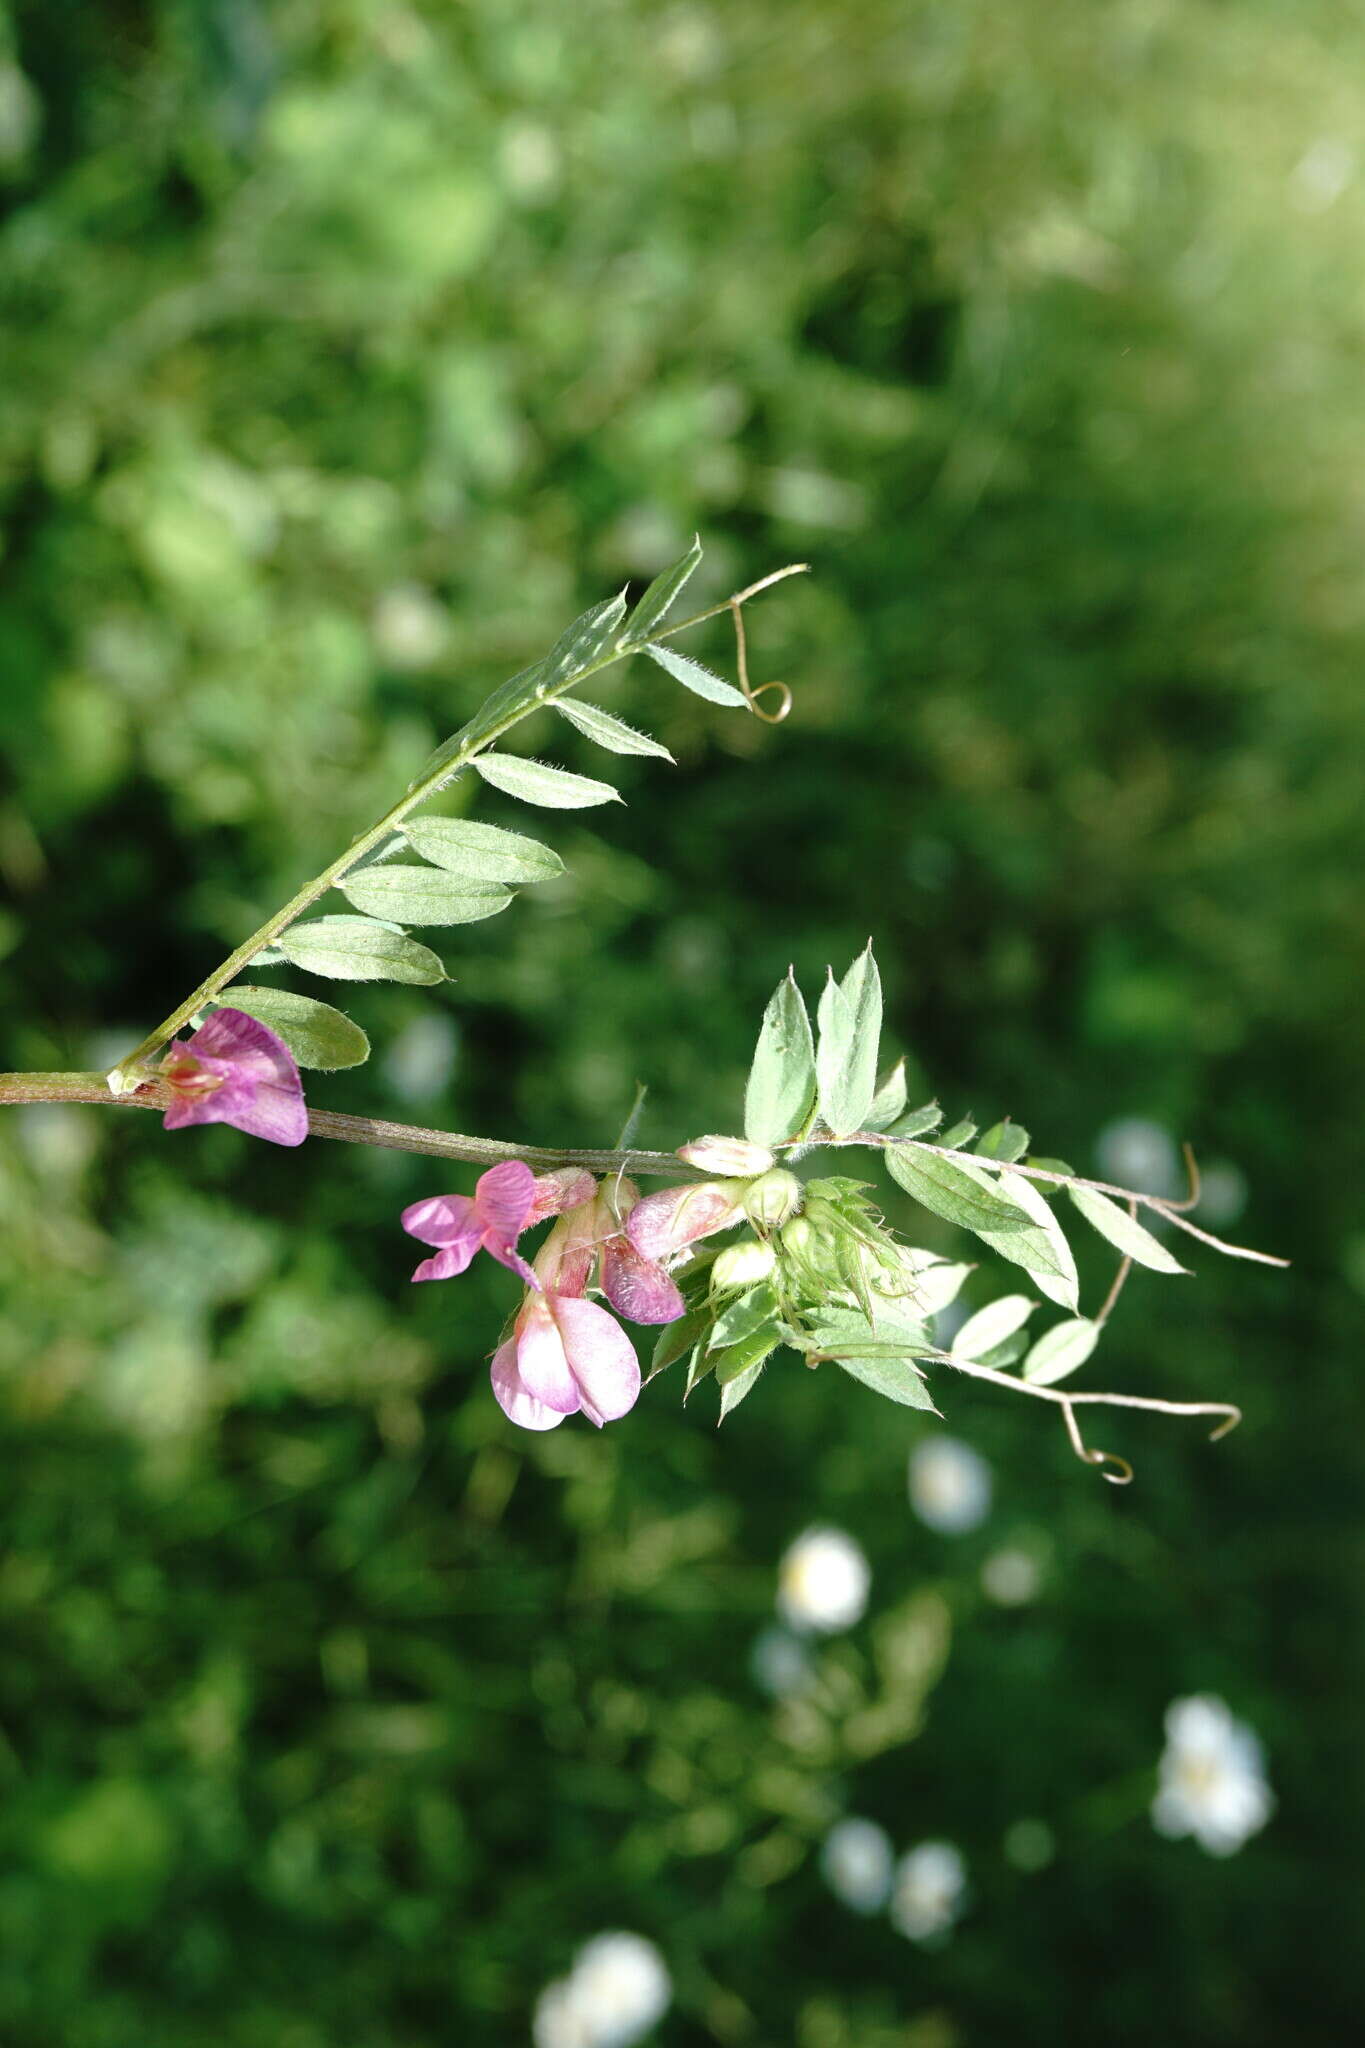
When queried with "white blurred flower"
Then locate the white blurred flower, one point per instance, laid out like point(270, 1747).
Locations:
point(779, 1662)
point(930, 1893)
point(1222, 1192)
point(950, 1485)
point(823, 1581)
point(1010, 1577)
point(421, 1059)
point(410, 626)
point(856, 1862)
point(617, 1990)
point(1212, 1779)
point(1139, 1154)
point(532, 162)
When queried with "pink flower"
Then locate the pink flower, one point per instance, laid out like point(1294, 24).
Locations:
point(664, 1223)
point(566, 1356)
point(506, 1200)
point(235, 1071)
point(636, 1286)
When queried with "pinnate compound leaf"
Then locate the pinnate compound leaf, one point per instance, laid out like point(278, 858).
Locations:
point(701, 681)
point(482, 853)
point(660, 597)
point(318, 1036)
point(408, 894)
point(1040, 1247)
point(992, 1325)
point(536, 782)
point(781, 1084)
point(850, 1020)
point(1124, 1231)
point(1060, 1350)
point(606, 731)
point(360, 949)
point(960, 1194)
point(1005, 1141)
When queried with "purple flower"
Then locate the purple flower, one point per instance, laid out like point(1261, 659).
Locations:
point(566, 1356)
point(235, 1071)
point(491, 1220)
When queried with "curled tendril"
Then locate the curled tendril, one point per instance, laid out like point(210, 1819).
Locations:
point(1111, 1466)
point(751, 696)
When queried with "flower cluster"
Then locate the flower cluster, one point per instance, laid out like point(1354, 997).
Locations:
point(566, 1354)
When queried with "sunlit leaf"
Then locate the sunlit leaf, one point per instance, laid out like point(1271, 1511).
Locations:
point(1040, 1247)
point(889, 1100)
point(660, 597)
point(781, 1084)
point(408, 894)
point(319, 1036)
point(1005, 1141)
point(991, 1325)
point(960, 1194)
point(691, 674)
point(482, 853)
point(359, 949)
point(608, 732)
point(1060, 1350)
point(536, 782)
point(1124, 1231)
point(850, 1021)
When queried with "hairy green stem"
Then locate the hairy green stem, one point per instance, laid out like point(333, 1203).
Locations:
point(126, 1074)
point(365, 1130)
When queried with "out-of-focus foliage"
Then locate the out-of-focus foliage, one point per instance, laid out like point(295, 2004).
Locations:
point(349, 346)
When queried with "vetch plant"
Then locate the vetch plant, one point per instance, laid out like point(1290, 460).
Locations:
point(809, 1268)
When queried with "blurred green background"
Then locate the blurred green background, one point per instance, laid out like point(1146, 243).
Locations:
point(348, 348)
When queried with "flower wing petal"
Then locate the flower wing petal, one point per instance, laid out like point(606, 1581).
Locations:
point(443, 1220)
point(504, 1199)
point(453, 1259)
point(601, 1359)
point(636, 1287)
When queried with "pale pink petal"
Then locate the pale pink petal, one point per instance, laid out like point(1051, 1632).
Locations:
point(448, 1263)
point(507, 1255)
point(503, 1200)
point(636, 1287)
point(568, 1187)
point(601, 1358)
point(443, 1220)
point(542, 1365)
point(516, 1404)
point(663, 1223)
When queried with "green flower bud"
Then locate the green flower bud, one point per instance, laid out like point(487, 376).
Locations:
point(798, 1237)
point(743, 1264)
point(772, 1198)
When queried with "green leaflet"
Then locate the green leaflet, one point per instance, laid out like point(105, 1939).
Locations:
point(590, 636)
point(742, 1318)
point(1060, 1350)
point(408, 894)
point(960, 1194)
point(879, 1354)
point(677, 1338)
point(659, 599)
point(693, 676)
point(850, 1020)
point(358, 949)
point(606, 731)
point(482, 853)
point(895, 1379)
point(536, 782)
point(739, 1388)
point(915, 1122)
point(781, 1084)
point(957, 1136)
point(1005, 1141)
point(992, 1325)
point(1040, 1247)
point(889, 1100)
point(318, 1036)
point(1124, 1231)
